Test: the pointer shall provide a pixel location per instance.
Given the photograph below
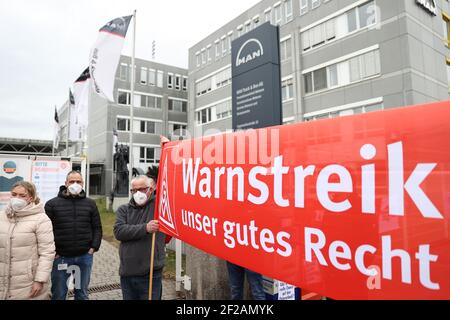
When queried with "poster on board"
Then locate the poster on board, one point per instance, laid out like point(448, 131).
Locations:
point(12, 170)
point(48, 176)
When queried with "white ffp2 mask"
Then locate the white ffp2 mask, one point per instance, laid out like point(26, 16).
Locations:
point(18, 204)
point(75, 189)
point(140, 198)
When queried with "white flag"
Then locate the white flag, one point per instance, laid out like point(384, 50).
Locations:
point(81, 97)
point(74, 130)
point(105, 56)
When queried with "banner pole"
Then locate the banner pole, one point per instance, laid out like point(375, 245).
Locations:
point(152, 258)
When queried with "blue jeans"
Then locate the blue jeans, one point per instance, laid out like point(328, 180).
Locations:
point(80, 267)
point(236, 276)
point(136, 287)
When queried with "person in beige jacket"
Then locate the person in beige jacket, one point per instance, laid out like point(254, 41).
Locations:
point(27, 248)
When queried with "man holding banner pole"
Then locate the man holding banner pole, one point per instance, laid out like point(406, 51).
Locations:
point(137, 231)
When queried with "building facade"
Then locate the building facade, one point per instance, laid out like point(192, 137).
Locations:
point(160, 108)
point(338, 57)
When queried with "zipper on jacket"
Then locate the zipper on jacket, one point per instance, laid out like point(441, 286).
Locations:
point(74, 223)
point(8, 285)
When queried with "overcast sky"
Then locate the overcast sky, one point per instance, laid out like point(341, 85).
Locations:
point(45, 46)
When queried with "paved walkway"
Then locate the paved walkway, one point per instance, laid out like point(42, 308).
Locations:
point(105, 280)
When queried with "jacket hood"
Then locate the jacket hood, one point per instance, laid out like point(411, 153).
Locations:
point(64, 193)
point(29, 210)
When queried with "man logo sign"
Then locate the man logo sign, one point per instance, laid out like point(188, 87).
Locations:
point(256, 51)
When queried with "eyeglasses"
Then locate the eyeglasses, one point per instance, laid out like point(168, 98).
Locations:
point(143, 190)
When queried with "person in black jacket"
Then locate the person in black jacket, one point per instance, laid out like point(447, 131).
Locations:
point(78, 234)
point(133, 228)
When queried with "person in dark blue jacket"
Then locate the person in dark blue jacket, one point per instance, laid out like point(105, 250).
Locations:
point(78, 234)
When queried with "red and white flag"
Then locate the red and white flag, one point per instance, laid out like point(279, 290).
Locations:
point(105, 56)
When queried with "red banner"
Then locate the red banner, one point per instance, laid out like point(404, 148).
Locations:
point(352, 208)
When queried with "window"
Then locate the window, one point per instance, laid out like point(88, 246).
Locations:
point(223, 78)
point(345, 112)
point(217, 45)
point(340, 74)
point(203, 54)
point(446, 23)
point(340, 26)
point(208, 53)
point(278, 14)
point(330, 29)
point(197, 57)
point(137, 100)
point(124, 98)
point(148, 127)
point(170, 80)
point(288, 10)
point(178, 130)
point(256, 21)
point(303, 7)
point(248, 26)
point(185, 84)
point(123, 72)
point(177, 82)
point(143, 75)
point(229, 39)
point(213, 82)
point(306, 44)
point(240, 29)
point(224, 46)
point(177, 105)
point(287, 89)
point(448, 72)
point(123, 124)
point(204, 86)
point(160, 79)
point(308, 83)
point(151, 102)
point(204, 116)
point(352, 21)
point(367, 14)
point(223, 110)
point(318, 35)
point(285, 50)
point(152, 77)
point(149, 155)
point(333, 75)
point(315, 4)
point(320, 79)
point(268, 15)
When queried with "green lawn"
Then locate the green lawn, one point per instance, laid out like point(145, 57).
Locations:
point(109, 218)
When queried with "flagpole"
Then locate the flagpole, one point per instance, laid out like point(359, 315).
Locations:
point(133, 75)
point(88, 140)
point(68, 127)
point(54, 139)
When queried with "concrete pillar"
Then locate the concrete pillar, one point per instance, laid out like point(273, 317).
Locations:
point(209, 277)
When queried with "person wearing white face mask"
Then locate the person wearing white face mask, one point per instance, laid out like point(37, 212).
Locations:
point(27, 247)
point(133, 228)
point(78, 235)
